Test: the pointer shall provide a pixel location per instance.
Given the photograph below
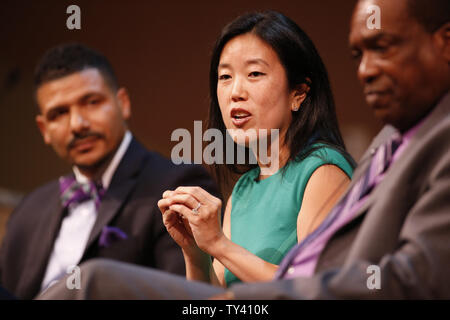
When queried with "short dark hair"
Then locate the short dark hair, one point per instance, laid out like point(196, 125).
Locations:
point(316, 120)
point(65, 59)
point(431, 14)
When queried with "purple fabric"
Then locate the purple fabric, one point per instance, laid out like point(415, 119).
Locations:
point(74, 192)
point(110, 235)
point(302, 259)
point(406, 139)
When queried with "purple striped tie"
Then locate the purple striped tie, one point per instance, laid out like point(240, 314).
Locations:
point(74, 192)
point(380, 162)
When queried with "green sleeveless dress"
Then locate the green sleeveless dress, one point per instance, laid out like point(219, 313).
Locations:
point(264, 213)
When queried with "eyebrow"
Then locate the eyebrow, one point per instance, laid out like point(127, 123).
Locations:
point(83, 99)
point(248, 62)
point(89, 95)
point(49, 114)
point(367, 41)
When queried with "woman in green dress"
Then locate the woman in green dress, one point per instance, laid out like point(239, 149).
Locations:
point(265, 74)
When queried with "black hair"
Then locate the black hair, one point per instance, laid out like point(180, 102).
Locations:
point(316, 119)
point(65, 59)
point(431, 14)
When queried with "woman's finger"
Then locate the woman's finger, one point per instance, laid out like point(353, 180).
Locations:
point(163, 204)
point(170, 216)
point(167, 193)
point(183, 198)
point(183, 210)
point(201, 195)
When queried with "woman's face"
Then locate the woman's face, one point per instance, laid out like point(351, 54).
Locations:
point(252, 87)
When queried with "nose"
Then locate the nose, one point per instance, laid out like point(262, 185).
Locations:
point(238, 91)
point(78, 121)
point(368, 69)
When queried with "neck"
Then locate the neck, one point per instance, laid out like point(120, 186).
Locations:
point(96, 171)
point(421, 114)
point(277, 158)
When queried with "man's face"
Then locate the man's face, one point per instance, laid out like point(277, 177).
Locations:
point(82, 118)
point(403, 69)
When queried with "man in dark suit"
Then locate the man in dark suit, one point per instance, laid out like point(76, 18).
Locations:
point(388, 237)
point(108, 206)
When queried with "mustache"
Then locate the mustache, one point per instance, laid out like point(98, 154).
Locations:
point(80, 136)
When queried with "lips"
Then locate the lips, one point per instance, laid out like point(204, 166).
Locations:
point(375, 97)
point(240, 116)
point(85, 144)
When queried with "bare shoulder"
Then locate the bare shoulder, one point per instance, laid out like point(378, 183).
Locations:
point(326, 174)
point(324, 188)
point(327, 180)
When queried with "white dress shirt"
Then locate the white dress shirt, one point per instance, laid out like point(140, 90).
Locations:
point(77, 224)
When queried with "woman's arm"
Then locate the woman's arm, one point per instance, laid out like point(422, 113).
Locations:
point(210, 272)
point(197, 262)
point(243, 264)
point(324, 188)
point(216, 241)
point(218, 270)
point(201, 269)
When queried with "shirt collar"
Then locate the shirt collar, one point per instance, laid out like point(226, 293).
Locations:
point(112, 166)
point(412, 131)
point(406, 138)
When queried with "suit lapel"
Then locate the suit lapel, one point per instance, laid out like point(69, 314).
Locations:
point(42, 242)
point(363, 166)
point(122, 183)
point(437, 114)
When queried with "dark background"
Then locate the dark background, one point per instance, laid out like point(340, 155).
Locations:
point(160, 52)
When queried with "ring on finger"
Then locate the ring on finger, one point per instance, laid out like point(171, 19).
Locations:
point(195, 210)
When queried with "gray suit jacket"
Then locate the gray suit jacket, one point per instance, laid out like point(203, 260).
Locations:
point(404, 228)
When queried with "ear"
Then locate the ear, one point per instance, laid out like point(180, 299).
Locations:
point(299, 95)
point(124, 102)
point(42, 125)
point(442, 40)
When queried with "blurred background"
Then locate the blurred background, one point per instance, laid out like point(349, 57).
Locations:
point(160, 51)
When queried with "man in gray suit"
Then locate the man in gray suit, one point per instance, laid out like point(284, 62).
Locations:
point(389, 235)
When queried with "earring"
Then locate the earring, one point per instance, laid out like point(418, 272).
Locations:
point(295, 109)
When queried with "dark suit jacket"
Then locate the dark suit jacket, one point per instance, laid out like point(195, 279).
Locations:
point(130, 204)
point(403, 227)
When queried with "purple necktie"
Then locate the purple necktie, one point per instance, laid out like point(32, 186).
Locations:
point(381, 160)
point(74, 192)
